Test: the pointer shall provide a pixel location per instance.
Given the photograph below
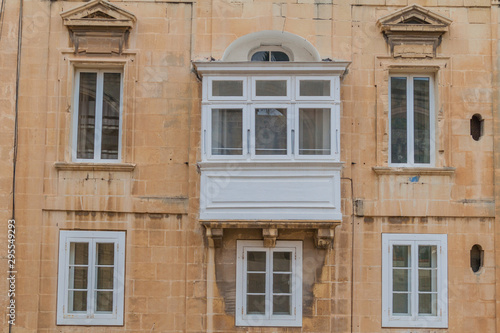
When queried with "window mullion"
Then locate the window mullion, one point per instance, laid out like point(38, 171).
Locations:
point(248, 130)
point(98, 115)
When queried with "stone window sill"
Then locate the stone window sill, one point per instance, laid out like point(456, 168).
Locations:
point(445, 171)
point(123, 167)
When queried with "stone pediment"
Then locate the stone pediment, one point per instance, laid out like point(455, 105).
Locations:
point(98, 27)
point(413, 32)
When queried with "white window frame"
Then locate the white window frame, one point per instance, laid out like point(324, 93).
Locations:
point(98, 115)
point(293, 320)
point(292, 103)
point(91, 317)
point(410, 137)
point(415, 320)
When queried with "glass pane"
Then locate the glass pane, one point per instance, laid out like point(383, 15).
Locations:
point(260, 56)
point(270, 88)
point(227, 88)
point(422, 120)
point(281, 305)
point(110, 115)
point(78, 277)
point(256, 261)
point(105, 277)
point(279, 56)
point(270, 132)
point(314, 87)
point(401, 256)
point(427, 304)
point(77, 301)
point(104, 301)
point(314, 132)
point(256, 283)
point(400, 280)
point(105, 253)
point(86, 115)
point(282, 261)
point(79, 254)
point(400, 304)
point(282, 283)
point(398, 120)
point(427, 256)
point(427, 280)
point(256, 304)
point(227, 132)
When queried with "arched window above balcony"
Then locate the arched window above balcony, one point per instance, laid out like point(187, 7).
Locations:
point(283, 44)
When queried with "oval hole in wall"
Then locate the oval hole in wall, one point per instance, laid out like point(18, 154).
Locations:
point(476, 126)
point(476, 258)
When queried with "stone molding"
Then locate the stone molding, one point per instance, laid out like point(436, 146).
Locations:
point(446, 171)
point(124, 167)
point(323, 237)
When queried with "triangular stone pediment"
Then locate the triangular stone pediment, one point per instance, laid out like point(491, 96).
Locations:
point(98, 13)
point(414, 16)
point(414, 32)
point(98, 27)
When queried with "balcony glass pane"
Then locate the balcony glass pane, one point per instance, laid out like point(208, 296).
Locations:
point(270, 131)
point(227, 88)
point(227, 132)
point(270, 88)
point(314, 132)
point(314, 87)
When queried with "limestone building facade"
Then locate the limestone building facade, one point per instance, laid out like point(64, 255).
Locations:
point(250, 166)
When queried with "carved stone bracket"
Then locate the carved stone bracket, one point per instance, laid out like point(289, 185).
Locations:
point(323, 236)
point(270, 235)
point(214, 236)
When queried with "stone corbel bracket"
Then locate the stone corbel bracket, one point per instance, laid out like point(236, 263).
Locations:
point(413, 32)
point(323, 236)
point(98, 27)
